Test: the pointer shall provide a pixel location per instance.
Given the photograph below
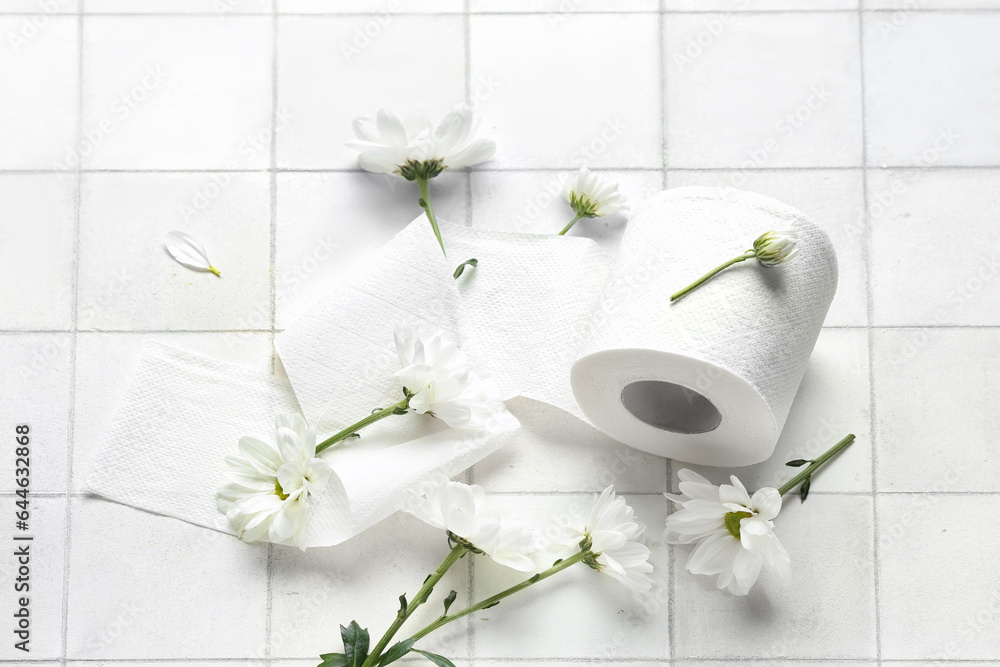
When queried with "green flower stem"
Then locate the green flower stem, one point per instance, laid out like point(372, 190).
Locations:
point(495, 599)
point(814, 466)
point(370, 419)
point(425, 591)
point(570, 225)
point(425, 203)
point(705, 278)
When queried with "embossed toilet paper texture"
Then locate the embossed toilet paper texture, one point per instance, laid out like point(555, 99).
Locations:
point(537, 304)
point(182, 414)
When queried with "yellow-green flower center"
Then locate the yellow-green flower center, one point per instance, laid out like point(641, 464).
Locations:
point(280, 491)
point(733, 522)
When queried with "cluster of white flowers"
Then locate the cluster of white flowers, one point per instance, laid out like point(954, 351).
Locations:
point(437, 377)
point(731, 530)
point(608, 535)
point(414, 149)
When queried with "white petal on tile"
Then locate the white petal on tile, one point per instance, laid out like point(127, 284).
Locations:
point(129, 281)
point(931, 88)
point(730, 103)
point(584, 89)
point(935, 396)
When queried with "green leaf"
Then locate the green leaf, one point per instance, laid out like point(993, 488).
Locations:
point(356, 641)
point(438, 660)
point(396, 651)
point(402, 605)
point(333, 660)
point(797, 463)
point(448, 601)
point(461, 267)
point(804, 491)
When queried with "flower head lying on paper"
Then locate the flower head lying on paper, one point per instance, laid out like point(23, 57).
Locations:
point(770, 249)
point(415, 150)
point(592, 196)
point(605, 539)
point(270, 485)
point(732, 531)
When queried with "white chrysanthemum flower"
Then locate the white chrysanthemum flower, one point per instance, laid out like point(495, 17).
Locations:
point(189, 252)
point(414, 150)
point(773, 248)
point(610, 535)
point(731, 530)
point(436, 376)
point(473, 520)
point(592, 195)
point(270, 485)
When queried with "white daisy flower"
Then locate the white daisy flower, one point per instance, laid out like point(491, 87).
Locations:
point(436, 376)
point(414, 150)
point(773, 248)
point(732, 531)
point(270, 485)
point(610, 537)
point(473, 520)
point(592, 195)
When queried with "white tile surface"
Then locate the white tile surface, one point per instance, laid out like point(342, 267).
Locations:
point(929, 545)
point(607, 621)
point(177, 92)
point(36, 392)
point(937, 435)
point(372, 60)
point(118, 611)
point(793, 104)
point(915, 279)
point(37, 236)
point(129, 281)
point(47, 525)
point(549, 77)
point(931, 86)
point(833, 199)
point(587, 103)
point(39, 68)
point(829, 539)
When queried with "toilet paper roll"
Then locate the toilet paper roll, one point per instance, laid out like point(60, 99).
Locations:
point(708, 379)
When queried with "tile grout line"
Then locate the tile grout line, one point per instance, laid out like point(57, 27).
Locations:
point(71, 415)
point(870, 309)
point(272, 289)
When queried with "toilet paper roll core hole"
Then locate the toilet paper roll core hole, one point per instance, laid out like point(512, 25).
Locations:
point(670, 407)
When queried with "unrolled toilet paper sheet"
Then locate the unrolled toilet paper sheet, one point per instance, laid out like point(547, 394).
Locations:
point(182, 414)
